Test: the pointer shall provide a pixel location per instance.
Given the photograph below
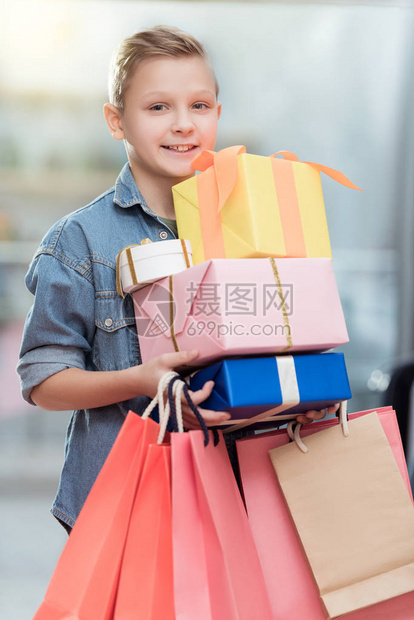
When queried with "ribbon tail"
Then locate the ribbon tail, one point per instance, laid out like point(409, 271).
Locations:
point(337, 176)
point(203, 160)
point(227, 172)
point(225, 169)
point(288, 155)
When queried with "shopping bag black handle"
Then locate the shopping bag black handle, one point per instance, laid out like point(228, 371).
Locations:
point(193, 408)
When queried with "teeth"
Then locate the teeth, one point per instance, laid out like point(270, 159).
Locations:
point(180, 148)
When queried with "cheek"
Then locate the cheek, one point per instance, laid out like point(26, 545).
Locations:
point(209, 132)
point(154, 132)
point(141, 131)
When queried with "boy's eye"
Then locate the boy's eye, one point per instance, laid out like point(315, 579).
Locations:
point(158, 107)
point(200, 105)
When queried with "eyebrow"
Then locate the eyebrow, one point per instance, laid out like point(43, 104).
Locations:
point(160, 93)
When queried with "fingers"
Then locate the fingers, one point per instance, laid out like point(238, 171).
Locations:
point(310, 416)
point(210, 417)
point(174, 360)
point(201, 395)
point(302, 419)
point(214, 417)
point(333, 409)
point(313, 414)
point(190, 422)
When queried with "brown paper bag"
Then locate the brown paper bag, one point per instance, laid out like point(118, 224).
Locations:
point(352, 512)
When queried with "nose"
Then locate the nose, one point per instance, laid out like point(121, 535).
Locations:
point(183, 122)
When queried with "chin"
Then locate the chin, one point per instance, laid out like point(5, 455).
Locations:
point(182, 174)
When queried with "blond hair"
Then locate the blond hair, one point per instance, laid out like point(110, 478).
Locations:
point(157, 41)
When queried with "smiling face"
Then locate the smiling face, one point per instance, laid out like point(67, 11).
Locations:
point(170, 115)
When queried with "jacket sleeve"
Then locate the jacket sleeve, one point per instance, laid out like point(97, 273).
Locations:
point(60, 325)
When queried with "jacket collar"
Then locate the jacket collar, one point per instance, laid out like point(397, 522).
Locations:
point(127, 193)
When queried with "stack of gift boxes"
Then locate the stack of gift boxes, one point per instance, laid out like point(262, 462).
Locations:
point(250, 284)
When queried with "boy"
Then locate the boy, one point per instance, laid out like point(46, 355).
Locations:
point(80, 349)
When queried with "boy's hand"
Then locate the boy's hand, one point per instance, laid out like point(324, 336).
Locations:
point(158, 366)
point(310, 416)
point(210, 417)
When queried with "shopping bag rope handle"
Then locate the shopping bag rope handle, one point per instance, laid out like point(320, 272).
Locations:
point(293, 429)
point(165, 379)
point(172, 407)
point(174, 390)
point(201, 419)
point(176, 387)
point(170, 404)
point(163, 405)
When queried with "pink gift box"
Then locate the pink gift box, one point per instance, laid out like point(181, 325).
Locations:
point(230, 307)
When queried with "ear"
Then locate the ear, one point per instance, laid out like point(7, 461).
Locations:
point(218, 110)
point(113, 117)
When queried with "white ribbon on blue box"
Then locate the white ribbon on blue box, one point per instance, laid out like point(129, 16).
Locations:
point(257, 389)
point(288, 381)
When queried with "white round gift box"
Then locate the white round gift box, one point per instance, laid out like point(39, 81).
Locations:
point(140, 265)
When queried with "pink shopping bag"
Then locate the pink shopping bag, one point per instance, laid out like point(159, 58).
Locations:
point(217, 573)
point(85, 580)
point(145, 588)
point(292, 590)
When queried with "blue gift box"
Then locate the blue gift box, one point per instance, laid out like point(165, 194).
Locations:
point(248, 386)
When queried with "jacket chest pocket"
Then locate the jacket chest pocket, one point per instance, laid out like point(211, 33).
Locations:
point(116, 342)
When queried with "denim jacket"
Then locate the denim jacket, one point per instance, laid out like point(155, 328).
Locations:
point(78, 320)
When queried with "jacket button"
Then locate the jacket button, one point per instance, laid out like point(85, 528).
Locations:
point(108, 322)
point(163, 234)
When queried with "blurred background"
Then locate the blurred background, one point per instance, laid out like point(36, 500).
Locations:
point(330, 81)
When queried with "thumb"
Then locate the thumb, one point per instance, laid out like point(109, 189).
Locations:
point(180, 358)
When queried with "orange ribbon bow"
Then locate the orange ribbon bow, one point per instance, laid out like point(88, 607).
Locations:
point(226, 169)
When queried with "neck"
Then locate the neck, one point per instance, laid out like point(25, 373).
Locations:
point(158, 196)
